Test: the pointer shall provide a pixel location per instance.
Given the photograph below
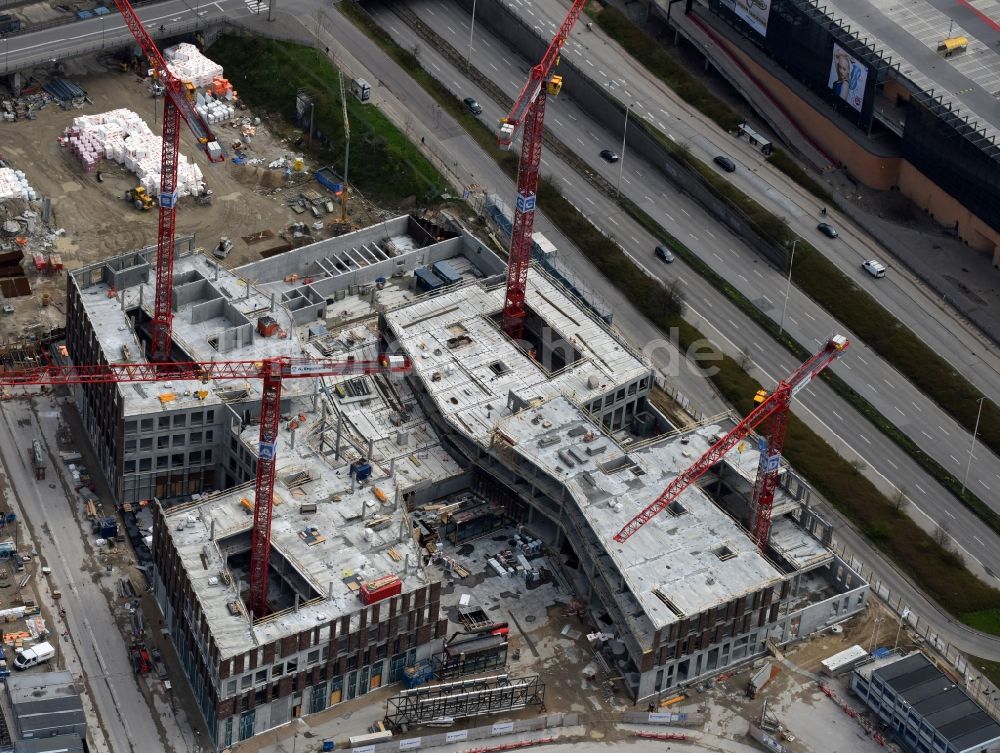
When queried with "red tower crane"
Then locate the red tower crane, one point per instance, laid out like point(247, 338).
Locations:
point(528, 112)
point(774, 407)
point(273, 371)
point(175, 106)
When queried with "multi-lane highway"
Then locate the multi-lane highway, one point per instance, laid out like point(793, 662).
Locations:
point(108, 32)
point(847, 431)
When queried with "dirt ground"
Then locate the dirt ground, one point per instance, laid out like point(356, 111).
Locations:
point(98, 222)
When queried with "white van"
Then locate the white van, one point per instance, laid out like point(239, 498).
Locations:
point(874, 267)
point(37, 654)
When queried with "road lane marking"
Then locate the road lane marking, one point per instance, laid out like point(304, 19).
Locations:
point(756, 272)
point(614, 221)
point(813, 318)
point(732, 324)
point(590, 200)
point(979, 540)
point(838, 416)
point(916, 406)
point(669, 217)
point(926, 434)
point(686, 212)
point(944, 430)
point(898, 410)
point(451, 30)
point(758, 347)
point(871, 386)
point(892, 464)
point(716, 256)
point(984, 484)
point(862, 359)
point(888, 383)
point(950, 514)
point(709, 233)
point(435, 66)
point(866, 439)
point(767, 299)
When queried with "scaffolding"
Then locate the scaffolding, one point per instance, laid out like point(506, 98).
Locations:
point(464, 698)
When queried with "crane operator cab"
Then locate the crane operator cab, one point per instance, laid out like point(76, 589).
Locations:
point(555, 85)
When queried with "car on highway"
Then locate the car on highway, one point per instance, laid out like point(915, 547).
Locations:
point(609, 156)
point(874, 267)
point(474, 107)
point(725, 163)
point(827, 229)
point(663, 254)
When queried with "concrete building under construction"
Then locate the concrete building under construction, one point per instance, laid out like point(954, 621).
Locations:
point(557, 432)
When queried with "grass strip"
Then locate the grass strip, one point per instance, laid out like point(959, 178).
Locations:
point(937, 571)
point(813, 273)
point(392, 169)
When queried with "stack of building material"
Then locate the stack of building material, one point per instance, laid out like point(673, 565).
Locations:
point(14, 185)
point(213, 110)
point(188, 64)
point(123, 136)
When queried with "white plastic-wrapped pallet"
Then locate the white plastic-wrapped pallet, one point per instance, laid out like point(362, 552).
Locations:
point(14, 185)
point(187, 63)
point(123, 136)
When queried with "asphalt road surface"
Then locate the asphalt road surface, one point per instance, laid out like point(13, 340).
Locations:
point(851, 434)
point(98, 649)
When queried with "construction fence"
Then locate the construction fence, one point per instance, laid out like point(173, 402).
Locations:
point(975, 683)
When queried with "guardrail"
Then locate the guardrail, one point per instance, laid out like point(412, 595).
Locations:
point(112, 40)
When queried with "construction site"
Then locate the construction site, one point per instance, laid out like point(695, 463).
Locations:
point(372, 452)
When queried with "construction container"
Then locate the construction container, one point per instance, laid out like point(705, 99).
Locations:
point(381, 588)
point(844, 661)
point(267, 326)
point(446, 272)
point(427, 281)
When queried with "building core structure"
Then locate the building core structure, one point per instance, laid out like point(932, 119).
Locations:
point(556, 431)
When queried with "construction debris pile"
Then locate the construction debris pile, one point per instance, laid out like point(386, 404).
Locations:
point(14, 185)
point(123, 136)
point(187, 63)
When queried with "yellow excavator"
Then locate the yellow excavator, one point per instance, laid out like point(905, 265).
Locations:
point(139, 197)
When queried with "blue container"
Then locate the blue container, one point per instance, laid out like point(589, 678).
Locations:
point(446, 272)
point(83, 14)
point(329, 745)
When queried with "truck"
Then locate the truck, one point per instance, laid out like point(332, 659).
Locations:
point(37, 654)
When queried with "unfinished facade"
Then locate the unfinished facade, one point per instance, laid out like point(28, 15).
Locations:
point(556, 431)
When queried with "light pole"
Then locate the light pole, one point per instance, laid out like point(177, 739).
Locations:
point(472, 28)
point(788, 287)
point(621, 162)
point(972, 447)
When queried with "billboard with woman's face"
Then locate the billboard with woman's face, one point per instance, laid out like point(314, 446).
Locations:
point(848, 77)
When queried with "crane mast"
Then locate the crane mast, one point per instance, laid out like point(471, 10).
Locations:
point(176, 106)
point(528, 113)
point(774, 407)
point(272, 371)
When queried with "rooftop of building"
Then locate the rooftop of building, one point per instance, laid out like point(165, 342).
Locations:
point(687, 559)
point(215, 318)
point(939, 701)
point(358, 531)
point(42, 686)
point(468, 364)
